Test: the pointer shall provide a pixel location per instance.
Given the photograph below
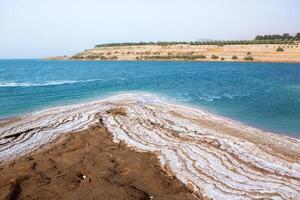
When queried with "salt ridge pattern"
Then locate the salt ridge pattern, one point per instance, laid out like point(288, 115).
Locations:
point(216, 157)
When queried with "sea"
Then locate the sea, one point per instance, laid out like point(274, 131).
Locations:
point(263, 95)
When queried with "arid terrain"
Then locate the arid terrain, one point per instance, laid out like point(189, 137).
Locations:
point(88, 165)
point(186, 52)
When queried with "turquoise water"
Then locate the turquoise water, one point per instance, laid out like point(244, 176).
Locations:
point(265, 95)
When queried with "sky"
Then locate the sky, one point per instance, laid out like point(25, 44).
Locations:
point(41, 28)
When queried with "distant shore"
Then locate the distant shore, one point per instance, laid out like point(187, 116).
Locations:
point(185, 52)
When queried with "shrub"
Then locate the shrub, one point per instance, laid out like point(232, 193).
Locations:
point(222, 58)
point(214, 57)
point(114, 57)
point(200, 56)
point(103, 58)
point(248, 53)
point(91, 57)
point(280, 49)
point(249, 58)
point(234, 57)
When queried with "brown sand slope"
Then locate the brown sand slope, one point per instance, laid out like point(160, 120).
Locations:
point(88, 165)
point(259, 53)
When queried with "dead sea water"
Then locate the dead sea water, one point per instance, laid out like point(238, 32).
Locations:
point(264, 95)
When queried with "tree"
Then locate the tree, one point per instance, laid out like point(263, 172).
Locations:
point(297, 36)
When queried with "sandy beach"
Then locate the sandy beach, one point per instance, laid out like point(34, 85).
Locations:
point(140, 147)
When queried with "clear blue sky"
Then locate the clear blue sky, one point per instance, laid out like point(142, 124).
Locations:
point(40, 28)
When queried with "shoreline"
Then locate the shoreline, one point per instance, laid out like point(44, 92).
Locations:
point(146, 124)
point(160, 97)
point(156, 60)
point(198, 53)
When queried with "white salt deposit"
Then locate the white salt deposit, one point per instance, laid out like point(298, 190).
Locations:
point(221, 158)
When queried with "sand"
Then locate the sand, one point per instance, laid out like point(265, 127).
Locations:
point(259, 53)
point(215, 157)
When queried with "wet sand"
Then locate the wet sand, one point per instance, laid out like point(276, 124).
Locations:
point(88, 165)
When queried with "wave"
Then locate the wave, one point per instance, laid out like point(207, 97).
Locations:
point(211, 97)
point(48, 83)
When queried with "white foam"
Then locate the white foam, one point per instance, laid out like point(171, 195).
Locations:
point(47, 83)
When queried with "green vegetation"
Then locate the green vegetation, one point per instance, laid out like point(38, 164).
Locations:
point(280, 49)
point(234, 57)
point(214, 57)
point(177, 57)
point(286, 38)
point(249, 58)
point(114, 57)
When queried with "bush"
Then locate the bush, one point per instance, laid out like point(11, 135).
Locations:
point(222, 58)
point(249, 58)
point(248, 53)
point(201, 56)
point(114, 57)
point(214, 57)
point(280, 49)
point(234, 57)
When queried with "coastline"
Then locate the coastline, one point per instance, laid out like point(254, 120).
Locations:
point(156, 60)
point(198, 53)
point(133, 118)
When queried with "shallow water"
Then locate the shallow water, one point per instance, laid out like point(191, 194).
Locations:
point(265, 95)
